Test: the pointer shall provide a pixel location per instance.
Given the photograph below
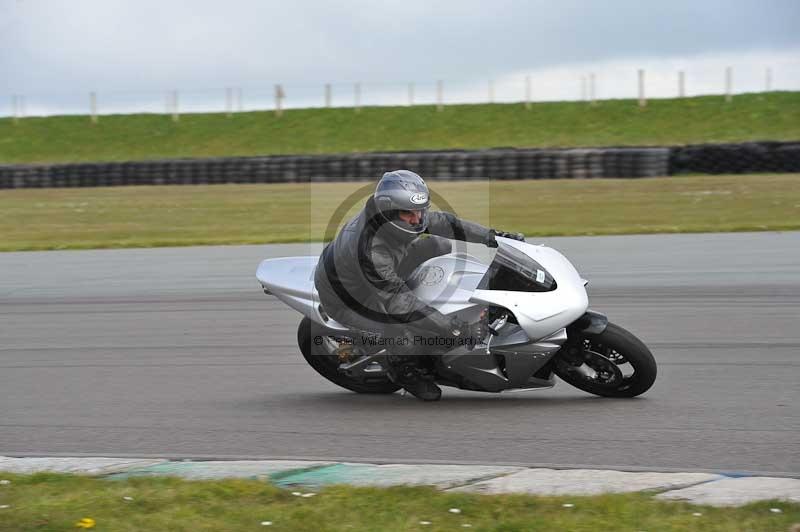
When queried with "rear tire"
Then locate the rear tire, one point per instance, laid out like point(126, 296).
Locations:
point(327, 364)
point(606, 354)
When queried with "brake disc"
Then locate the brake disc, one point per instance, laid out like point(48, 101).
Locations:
point(605, 371)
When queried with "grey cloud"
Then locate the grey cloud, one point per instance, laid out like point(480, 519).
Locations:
point(148, 44)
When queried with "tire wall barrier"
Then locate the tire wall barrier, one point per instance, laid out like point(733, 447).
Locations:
point(498, 164)
point(749, 157)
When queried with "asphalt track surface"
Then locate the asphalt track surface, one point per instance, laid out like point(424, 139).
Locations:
point(177, 353)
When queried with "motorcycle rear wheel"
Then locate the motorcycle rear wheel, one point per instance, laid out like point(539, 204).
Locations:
point(318, 356)
point(604, 362)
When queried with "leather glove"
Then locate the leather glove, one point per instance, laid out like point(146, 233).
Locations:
point(512, 236)
point(491, 242)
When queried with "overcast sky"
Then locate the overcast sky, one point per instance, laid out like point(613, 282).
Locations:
point(50, 49)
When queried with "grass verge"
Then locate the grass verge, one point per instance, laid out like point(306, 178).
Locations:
point(56, 502)
point(769, 116)
point(119, 217)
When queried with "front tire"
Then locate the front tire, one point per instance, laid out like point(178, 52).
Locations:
point(613, 363)
point(327, 364)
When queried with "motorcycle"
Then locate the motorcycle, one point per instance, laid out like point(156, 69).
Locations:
point(535, 324)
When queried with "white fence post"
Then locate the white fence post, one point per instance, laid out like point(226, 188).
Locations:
point(592, 100)
point(440, 95)
point(357, 96)
point(279, 95)
point(728, 84)
point(528, 93)
point(583, 88)
point(642, 100)
point(175, 113)
point(768, 80)
point(491, 91)
point(410, 94)
point(228, 102)
point(681, 84)
point(328, 97)
point(93, 106)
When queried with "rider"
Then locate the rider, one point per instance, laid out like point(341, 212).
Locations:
point(362, 274)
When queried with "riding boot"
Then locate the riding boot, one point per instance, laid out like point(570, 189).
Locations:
point(405, 371)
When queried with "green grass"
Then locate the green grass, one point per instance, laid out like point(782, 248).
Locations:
point(57, 502)
point(770, 116)
point(114, 217)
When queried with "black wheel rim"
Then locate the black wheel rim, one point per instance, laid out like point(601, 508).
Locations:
point(599, 365)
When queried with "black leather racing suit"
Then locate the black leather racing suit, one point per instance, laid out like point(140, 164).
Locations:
point(361, 275)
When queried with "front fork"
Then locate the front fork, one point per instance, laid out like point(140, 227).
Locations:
point(590, 323)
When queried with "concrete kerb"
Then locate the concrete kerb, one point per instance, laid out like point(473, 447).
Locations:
point(95, 466)
point(697, 488)
point(737, 491)
point(359, 474)
point(217, 469)
point(585, 482)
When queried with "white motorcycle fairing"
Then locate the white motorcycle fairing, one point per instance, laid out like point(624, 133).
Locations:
point(531, 331)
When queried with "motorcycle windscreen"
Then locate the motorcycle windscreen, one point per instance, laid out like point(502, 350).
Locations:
point(515, 271)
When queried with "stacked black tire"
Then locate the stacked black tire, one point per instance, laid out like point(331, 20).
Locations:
point(750, 157)
point(499, 164)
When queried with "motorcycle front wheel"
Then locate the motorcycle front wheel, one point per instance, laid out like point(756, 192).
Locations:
point(613, 363)
point(320, 353)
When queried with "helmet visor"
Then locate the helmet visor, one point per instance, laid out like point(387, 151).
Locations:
point(415, 221)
